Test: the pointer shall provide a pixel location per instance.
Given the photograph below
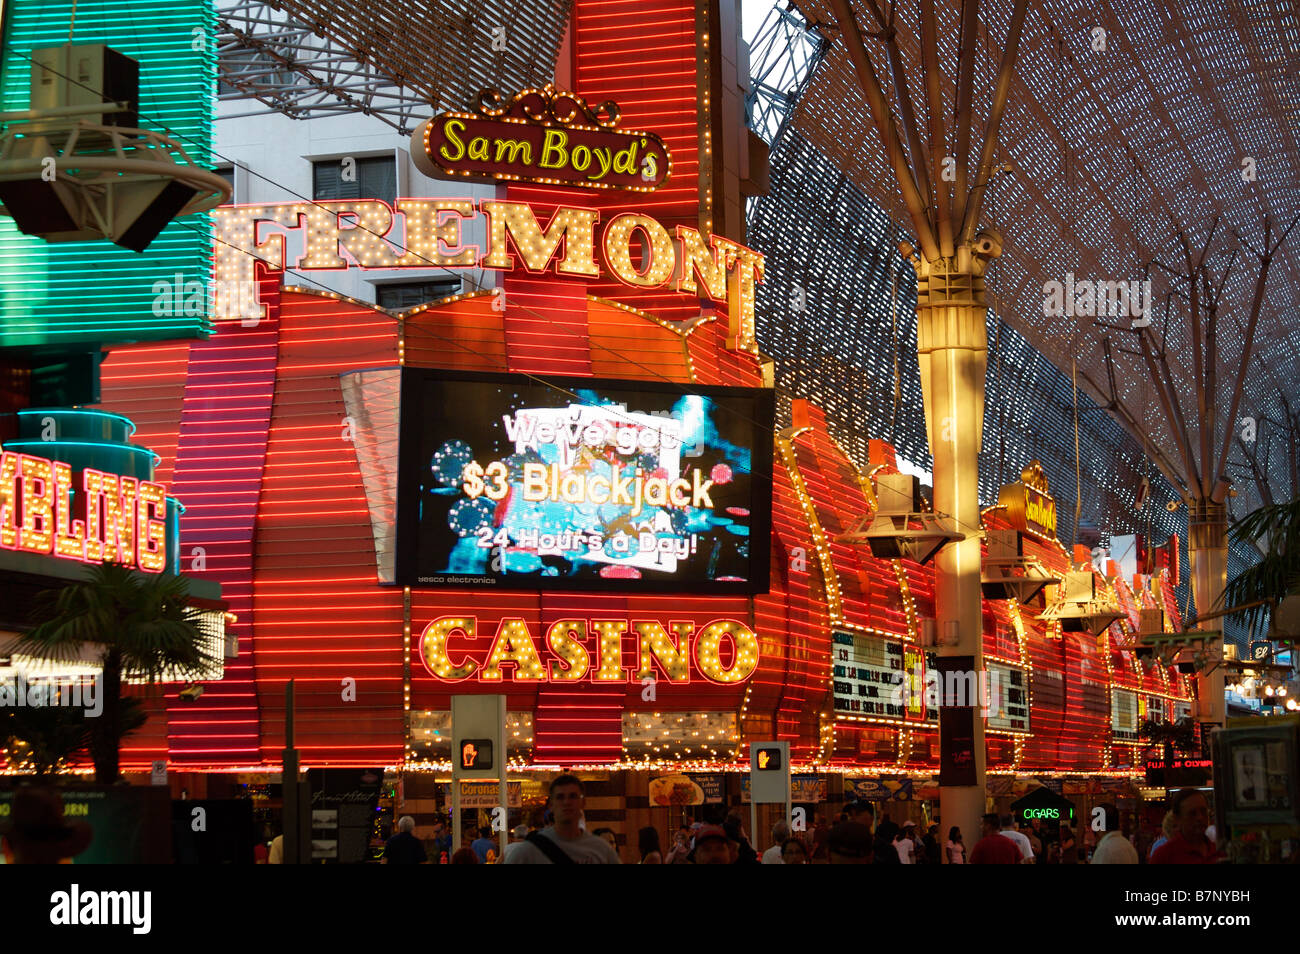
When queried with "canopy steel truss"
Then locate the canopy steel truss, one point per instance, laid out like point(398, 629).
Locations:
point(396, 62)
point(1127, 127)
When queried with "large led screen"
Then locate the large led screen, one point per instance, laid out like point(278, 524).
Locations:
point(581, 483)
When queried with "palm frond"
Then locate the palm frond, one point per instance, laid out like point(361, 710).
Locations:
point(1277, 574)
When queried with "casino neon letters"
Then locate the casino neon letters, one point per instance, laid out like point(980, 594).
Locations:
point(591, 650)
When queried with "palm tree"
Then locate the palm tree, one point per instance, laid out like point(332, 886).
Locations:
point(43, 739)
point(144, 629)
point(1275, 529)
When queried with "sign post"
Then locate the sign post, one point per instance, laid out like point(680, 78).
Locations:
point(769, 779)
point(478, 751)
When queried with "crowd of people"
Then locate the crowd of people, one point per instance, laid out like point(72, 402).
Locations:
point(855, 838)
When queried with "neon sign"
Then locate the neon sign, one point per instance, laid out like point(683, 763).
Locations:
point(1029, 503)
point(635, 248)
point(659, 654)
point(1054, 813)
point(115, 519)
point(545, 136)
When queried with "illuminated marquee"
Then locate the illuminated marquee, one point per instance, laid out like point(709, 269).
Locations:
point(115, 519)
point(663, 654)
point(545, 136)
point(1029, 503)
point(635, 248)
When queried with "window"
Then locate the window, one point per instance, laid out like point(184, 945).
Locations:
point(409, 294)
point(228, 173)
point(351, 178)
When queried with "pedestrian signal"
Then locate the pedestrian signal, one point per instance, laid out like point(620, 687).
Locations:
point(476, 754)
point(767, 760)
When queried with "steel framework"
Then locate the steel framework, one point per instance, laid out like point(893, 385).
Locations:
point(397, 62)
point(1125, 127)
point(782, 59)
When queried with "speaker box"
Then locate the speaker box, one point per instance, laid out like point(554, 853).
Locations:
point(86, 75)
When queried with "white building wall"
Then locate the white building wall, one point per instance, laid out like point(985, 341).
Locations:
point(273, 154)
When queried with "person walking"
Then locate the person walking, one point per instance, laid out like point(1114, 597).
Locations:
point(775, 854)
point(563, 842)
point(993, 849)
point(955, 850)
point(1188, 845)
point(680, 853)
point(483, 844)
point(1069, 846)
point(517, 836)
point(794, 852)
point(905, 843)
point(404, 848)
point(1114, 848)
point(1021, 840)
point(932, 851)
point(647, 843)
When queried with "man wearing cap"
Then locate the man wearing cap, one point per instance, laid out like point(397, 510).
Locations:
point(37, 833)
point(712, 846)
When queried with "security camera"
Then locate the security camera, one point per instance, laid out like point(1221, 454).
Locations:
point(988, 243)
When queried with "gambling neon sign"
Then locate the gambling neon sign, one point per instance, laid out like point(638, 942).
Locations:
point(724, 651)
point(109, 519)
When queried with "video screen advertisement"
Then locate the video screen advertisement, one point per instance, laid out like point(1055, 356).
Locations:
point(519, 481)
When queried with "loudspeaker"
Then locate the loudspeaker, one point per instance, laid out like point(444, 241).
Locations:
point(142, 210)
point(86, 75)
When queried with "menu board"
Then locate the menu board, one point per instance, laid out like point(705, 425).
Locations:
point(867, 675)
point(1008, 699)
point(1124, 715)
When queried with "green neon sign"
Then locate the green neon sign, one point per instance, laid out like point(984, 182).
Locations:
point(1054, 813)
point(69, 294)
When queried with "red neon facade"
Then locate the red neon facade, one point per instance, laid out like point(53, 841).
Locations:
point(250, 425)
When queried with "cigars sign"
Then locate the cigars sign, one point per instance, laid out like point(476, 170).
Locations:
point(541, 135)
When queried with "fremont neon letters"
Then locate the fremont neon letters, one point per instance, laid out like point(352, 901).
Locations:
point(117, 519)
point(337, 235)
point(662, 654)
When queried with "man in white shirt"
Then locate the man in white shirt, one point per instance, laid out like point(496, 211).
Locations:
point(780, 832)
point(1114, 848)
point(564, 842)
point(518, 834)
point(1022, 842)
point(904, 844)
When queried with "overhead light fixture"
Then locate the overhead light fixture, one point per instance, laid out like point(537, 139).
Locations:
point(899, 529)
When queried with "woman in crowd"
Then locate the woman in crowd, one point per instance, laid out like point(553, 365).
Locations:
point(648, 844)
point(956, 850)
